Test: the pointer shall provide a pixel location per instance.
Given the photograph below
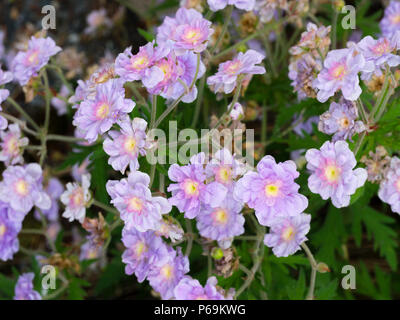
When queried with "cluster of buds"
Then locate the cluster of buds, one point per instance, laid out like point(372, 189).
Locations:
point(226, 261)
point(377, 164)
point(97, 228)
point(306, 59)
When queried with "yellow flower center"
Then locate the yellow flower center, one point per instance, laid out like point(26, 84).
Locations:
point(33, 58)
point(12, 145)
point(92, 254)
point(77, 197)
point(21, 187)
point(234, 67)
point(271, 190)
point(332, 173)
point(102, 111)
point(140, 62)
point(398, 185)
point(339, 72)
point(140, 248)
point(2, 230)
point(130, 144)
point(167, 271)
point(288, 234)
point(220, 216)
point(395, 19)
point(344, 122)
point(135, 204)
point(191, 188)
point(224, 174)
point(192, 36)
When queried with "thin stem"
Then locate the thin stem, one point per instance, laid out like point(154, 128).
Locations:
point(105, 207)
point(189, 232)
point(153, 111)
point(334, 25)
point(199, 101)
point(313, 263)
point(257, 258)
point(23, 113)
point(171, 107)
point(21, 123)
point(362, 110)
point(247, 39)
point(234, 100)
point(196, 73)
point(57, 137)
point(61, 76)
point(228, 17)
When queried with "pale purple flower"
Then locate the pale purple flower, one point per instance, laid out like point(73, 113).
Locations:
point(287, 234)
point(96, 116)
point(166, 273)
point(143, 249)
point(141, 65)
point(5, 76)
point(306, 126)
point(126, 145)
point(216, 5)
point(332, 174)
point(223, 222)
point(187, 31)
point(78, 170)
point(90, 251)
point(12, 145)
point(341, 121)
point(186, 71)
point(4, 93)
point(271, 191)
point(97, 19)
point(191, 289)
point(170, 75)
point(391, 20)
point(81, 93)
point(133, 199)
point(224, 168)
point(190, 191)
point(22, 188)
point(9, 229)
point(340, 72)
point(27, 64)
point(76, 199)
point(54, 189)
point(237, 112)
point(24, 288)
point(60, 104)
point(389, 191)
point(225, 80)
point(379, 53)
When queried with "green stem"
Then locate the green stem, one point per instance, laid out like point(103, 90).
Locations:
point(23, 113)
point(199, 101)
point(234, 100)
point(57, 137)
point(313, 263)
point(153, 111)
point(105, 207)
point(228, 17)
point(247, 39)
point(189, 233)
point(22, 124)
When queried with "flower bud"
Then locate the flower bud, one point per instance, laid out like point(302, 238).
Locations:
point(217, 253)
point(323, 267)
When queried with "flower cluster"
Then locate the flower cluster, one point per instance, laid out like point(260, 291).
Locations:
point(341, 121)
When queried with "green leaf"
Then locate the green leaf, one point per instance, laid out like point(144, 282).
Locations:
point(145, 34)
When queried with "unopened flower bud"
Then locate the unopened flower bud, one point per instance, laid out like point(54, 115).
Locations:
point(217, 253)
point(323, 267)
